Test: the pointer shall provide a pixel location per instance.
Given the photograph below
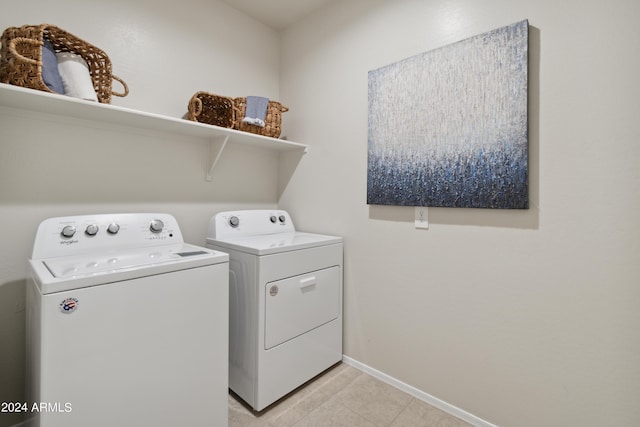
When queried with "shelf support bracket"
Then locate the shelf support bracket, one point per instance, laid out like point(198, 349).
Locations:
point(216, 147)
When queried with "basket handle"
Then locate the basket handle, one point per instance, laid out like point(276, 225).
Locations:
point(15, 41)
point(236, 115)
point(124, 85)
point(195, 107)
point(284, 109)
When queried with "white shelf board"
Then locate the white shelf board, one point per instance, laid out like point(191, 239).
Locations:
point(61, 105)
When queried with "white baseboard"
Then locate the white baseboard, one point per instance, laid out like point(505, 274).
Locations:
point(418, 394)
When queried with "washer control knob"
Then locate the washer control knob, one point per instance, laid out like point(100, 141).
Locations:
point(281, 218)
point(156, 226)
point(68, 231)
point(273, 219)
point(234, 221)
point(113, 228)
point(91, 230)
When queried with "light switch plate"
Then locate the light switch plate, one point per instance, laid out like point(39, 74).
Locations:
point(422, 217)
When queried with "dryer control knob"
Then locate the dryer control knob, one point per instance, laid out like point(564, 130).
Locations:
point(282, 218)
point(113, 228)
point(91, 230)
point(68, 231)
point(273, 219)
point(234, 221)
point(156, 226)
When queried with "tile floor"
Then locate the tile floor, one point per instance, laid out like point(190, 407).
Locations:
point(343, 396)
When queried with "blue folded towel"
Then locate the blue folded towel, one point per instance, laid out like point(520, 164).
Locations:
point(50, 73)
point(256, 110)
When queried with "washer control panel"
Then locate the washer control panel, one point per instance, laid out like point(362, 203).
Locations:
point(250, 223)
point(63, 236)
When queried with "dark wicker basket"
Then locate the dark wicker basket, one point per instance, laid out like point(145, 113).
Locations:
point(21, 61)
point(273, 118)
point(212, 109)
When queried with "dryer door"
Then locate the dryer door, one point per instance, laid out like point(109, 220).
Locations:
point(298, 304)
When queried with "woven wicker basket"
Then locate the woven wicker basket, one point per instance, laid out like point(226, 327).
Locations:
point(212, 109)
point(21, 62)
point(273, 118)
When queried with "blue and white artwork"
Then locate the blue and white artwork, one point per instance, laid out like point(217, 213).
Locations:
point(448, 127)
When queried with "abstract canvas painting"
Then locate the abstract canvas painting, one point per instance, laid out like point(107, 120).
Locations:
point(448, 127)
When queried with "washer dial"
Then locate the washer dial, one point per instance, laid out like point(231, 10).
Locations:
point(113, 228)
point(156, 226)
point(91, 230)
point(68, 231)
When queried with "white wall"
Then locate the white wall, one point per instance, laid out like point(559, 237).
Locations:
point(522, 318)
point(50, 168)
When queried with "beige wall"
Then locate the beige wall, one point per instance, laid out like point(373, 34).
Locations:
point(52, 167)
point(522, 318)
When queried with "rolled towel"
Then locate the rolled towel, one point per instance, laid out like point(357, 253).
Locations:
point(75, 75)
point(256, 110)
point(50, 74)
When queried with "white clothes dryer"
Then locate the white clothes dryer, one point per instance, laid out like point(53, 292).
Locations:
point(127, 325)
point(285, 302)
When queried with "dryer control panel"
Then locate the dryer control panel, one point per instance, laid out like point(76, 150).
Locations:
point(64, 236)
point(250, 223)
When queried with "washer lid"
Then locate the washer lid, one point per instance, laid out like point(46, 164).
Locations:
point(80, 271)
point(104, 263)
point(275, 243)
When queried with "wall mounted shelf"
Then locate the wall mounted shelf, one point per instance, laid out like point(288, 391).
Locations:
point(64, 106)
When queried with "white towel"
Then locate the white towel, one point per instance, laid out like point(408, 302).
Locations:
point(75, 75)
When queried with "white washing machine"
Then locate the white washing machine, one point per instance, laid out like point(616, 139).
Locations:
point(285, 302)
point(126, 325)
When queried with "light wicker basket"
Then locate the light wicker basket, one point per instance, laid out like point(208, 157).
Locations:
point(212, 109)
point(273, 118)
point(21, 62)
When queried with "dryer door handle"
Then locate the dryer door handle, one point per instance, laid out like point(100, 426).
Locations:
point(307, 282)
